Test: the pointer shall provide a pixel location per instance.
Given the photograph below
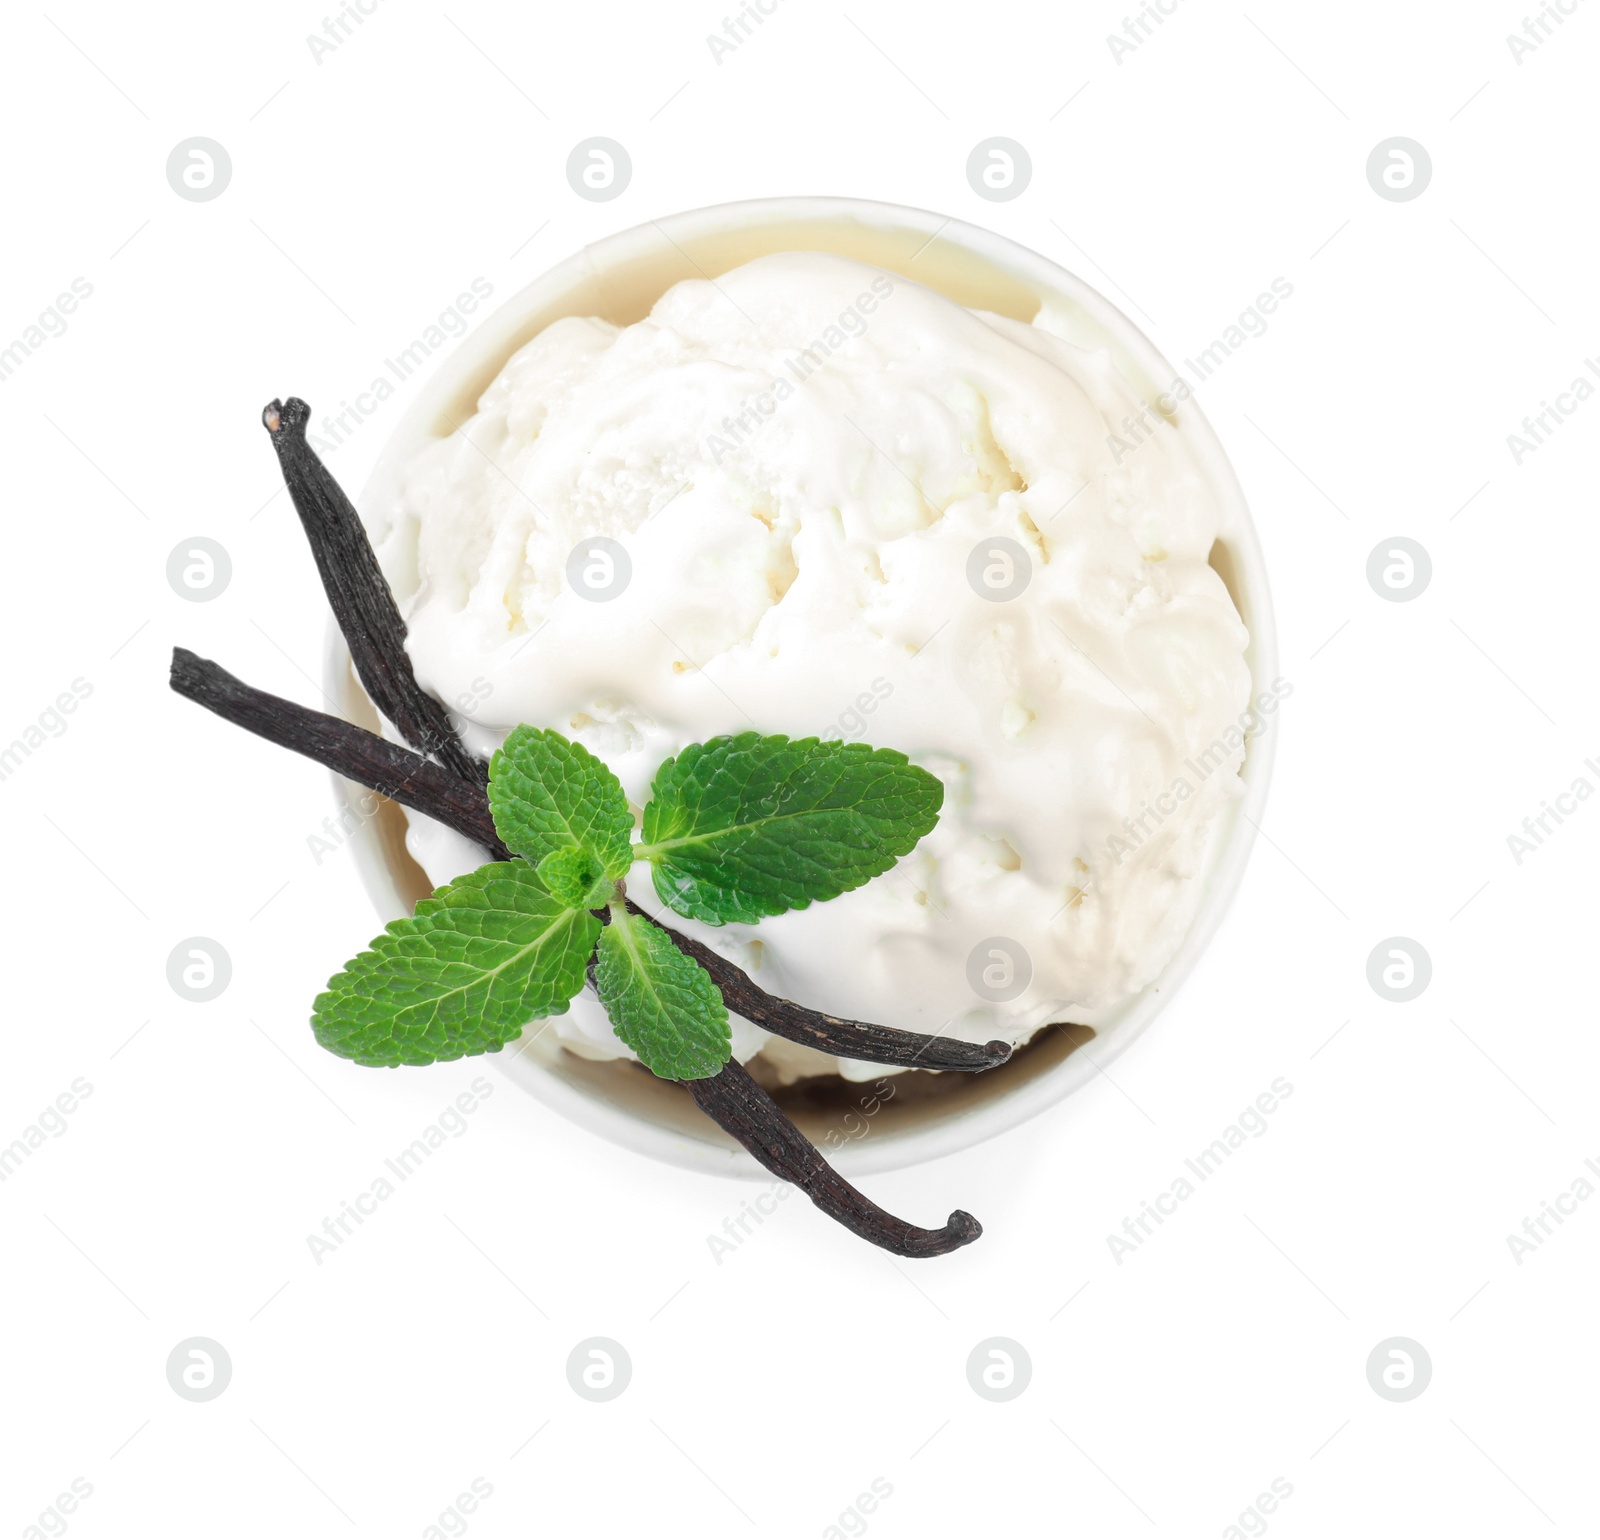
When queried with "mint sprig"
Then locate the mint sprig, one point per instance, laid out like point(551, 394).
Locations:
point(663, 1004)
point(737, 828)
point(464, 975)
point(740, 828)
point(547, 792)
point(574, 874)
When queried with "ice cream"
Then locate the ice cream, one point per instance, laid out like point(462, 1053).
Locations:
point(811, 497)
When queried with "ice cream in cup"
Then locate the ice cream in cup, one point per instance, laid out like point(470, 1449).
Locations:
point(838, 470)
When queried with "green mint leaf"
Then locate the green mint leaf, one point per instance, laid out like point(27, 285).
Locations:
point(739, 828)
point(464, 975)
point(664, 1005)
point(546, 792)
point(575, 876)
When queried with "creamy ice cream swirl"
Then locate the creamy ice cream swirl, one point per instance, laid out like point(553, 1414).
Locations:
point(811, 497)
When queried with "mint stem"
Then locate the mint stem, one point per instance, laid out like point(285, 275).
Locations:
point(733, 1099)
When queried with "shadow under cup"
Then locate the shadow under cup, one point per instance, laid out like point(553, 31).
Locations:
point(861, 1127)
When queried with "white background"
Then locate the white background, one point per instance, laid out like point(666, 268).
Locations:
point(1167, 1390)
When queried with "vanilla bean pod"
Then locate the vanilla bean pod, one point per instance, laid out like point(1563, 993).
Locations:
point(742, 1109)
point(733, 1099)
point(361, 599)
point(356, 588)
point(837, 1035)
point(350, 751)
point(427, 788)
point(730, 1098)
point(454, 791)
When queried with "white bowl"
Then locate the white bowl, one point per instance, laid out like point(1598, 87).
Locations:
point(620, 278)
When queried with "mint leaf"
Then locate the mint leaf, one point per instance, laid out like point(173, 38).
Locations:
point(464, 975)
point(575, 876)
point(743, 827)
point(663, 1004)
point(546, 792)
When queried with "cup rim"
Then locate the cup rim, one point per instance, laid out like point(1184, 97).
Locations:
point(481, 354)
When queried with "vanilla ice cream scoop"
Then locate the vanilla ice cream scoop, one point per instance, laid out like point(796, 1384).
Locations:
point(815, 498)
